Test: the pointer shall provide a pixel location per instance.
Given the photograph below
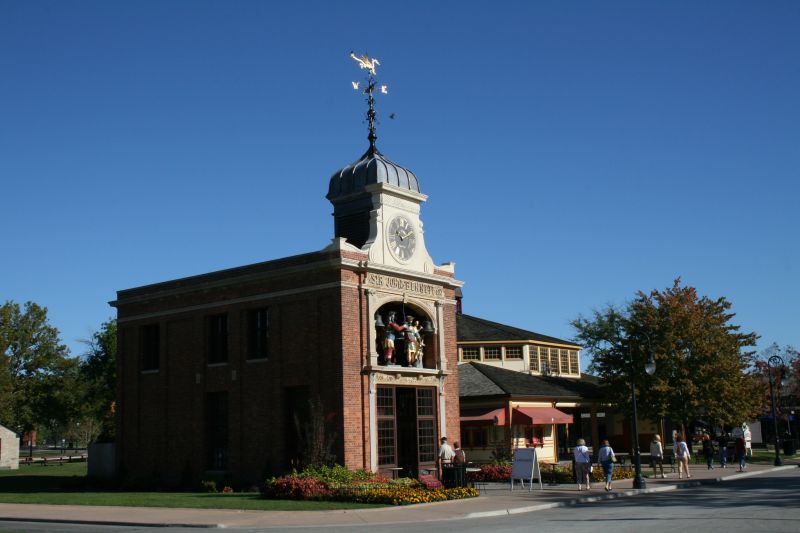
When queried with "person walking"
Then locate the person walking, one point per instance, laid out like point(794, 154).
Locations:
point(657, 456)
point(722, 445)
point(583, 463)
point(740, 449)
point(682, 455)
point(708, 451)
point(605, 456)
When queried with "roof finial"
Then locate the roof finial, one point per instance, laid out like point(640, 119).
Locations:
point(365, 62)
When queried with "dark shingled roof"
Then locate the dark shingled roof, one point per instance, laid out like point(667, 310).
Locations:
point(480, 380)
point(471, 328)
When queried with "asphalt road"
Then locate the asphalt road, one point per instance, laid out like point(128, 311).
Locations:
point(766, 504)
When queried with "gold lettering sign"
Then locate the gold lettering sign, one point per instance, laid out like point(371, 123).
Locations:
point(404, 285)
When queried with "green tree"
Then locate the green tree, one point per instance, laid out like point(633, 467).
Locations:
point(98, 372)
point(703, 367)
point(37, 376)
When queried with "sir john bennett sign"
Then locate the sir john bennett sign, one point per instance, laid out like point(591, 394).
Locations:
point(405, 285)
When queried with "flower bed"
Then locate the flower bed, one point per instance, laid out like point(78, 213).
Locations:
point(491, 473)
point(401, 494)
point(559, 474)
point(360, 486)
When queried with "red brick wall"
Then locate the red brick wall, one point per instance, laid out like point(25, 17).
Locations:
point(318, 339)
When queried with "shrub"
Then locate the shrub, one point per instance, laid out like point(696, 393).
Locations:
point(209, 485)
point(335, 474)
point(491, 472)
point(295, 488)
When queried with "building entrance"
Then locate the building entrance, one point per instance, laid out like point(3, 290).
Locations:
point(406, 429)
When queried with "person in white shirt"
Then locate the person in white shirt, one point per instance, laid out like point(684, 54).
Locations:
point(583, 462)
point(682, 456)
point(446, 455)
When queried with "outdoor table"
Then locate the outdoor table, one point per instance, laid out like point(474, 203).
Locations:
point(396, 471)
point(480, 485)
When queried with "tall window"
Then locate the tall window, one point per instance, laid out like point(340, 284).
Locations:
point(553, 360)
point(513, 352)
point(470, 354)
point(564, 362)
point(217, 327)
point(386, 436)
point(574, 368)
point(217, 430)
point(258, 334)
point(533, 353)
point(426, 440)
point(150, 347)
point(386, 442)
point(426, 425)
point(491, 353)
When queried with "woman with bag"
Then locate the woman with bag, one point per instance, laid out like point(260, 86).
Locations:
point(607, 459)
point(583, 464)
point(682, 456)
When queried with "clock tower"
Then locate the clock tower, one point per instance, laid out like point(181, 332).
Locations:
point(405, 306)
point(376, 204)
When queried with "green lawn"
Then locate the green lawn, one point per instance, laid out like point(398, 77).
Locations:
point(761, 455)
point(67, 485)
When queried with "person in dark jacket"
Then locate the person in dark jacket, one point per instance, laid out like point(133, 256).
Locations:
point(708, 451)
point(741, 453)
point(722, 445)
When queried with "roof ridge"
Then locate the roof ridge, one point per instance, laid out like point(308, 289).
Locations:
point(477, 366)
point(527, 334)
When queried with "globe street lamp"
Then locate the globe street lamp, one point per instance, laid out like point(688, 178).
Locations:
point(771, 362)
point(650, 368)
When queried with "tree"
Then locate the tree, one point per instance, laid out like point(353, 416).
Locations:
point(36, 372)
point(703, 369)
point(784, 377)
point(98, 372)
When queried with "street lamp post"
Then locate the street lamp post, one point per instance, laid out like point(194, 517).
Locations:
point(773, 361)
point(650, 368)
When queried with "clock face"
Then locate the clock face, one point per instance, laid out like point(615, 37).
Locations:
point(402, 238)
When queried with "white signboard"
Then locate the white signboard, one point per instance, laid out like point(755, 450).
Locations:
point(526, 467)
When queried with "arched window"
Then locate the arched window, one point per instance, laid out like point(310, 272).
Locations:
point(405, 336)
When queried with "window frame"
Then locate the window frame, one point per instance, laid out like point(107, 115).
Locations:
point(217, 339)
point(150, 347)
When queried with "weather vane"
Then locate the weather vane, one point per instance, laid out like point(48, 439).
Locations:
point(367, 63)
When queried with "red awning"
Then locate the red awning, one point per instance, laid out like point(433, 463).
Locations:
point(485, 414)
point(539, 415)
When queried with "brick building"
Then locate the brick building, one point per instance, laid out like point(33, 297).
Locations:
point(241, 372)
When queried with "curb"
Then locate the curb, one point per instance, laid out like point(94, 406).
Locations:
point(110, 523)
point(624, 494)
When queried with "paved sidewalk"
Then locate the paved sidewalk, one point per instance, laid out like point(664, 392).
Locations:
point(496, 500)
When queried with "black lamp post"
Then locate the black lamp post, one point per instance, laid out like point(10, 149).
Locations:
point(773, 361)
point(650, 368)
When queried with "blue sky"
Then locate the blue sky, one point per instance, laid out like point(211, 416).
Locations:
point(573, 152)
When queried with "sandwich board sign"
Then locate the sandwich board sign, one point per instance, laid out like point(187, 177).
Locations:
point(526, 467)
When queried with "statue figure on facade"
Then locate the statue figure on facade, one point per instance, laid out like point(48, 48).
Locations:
point(412, 341)
point(420, 344)
point(390, 334)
